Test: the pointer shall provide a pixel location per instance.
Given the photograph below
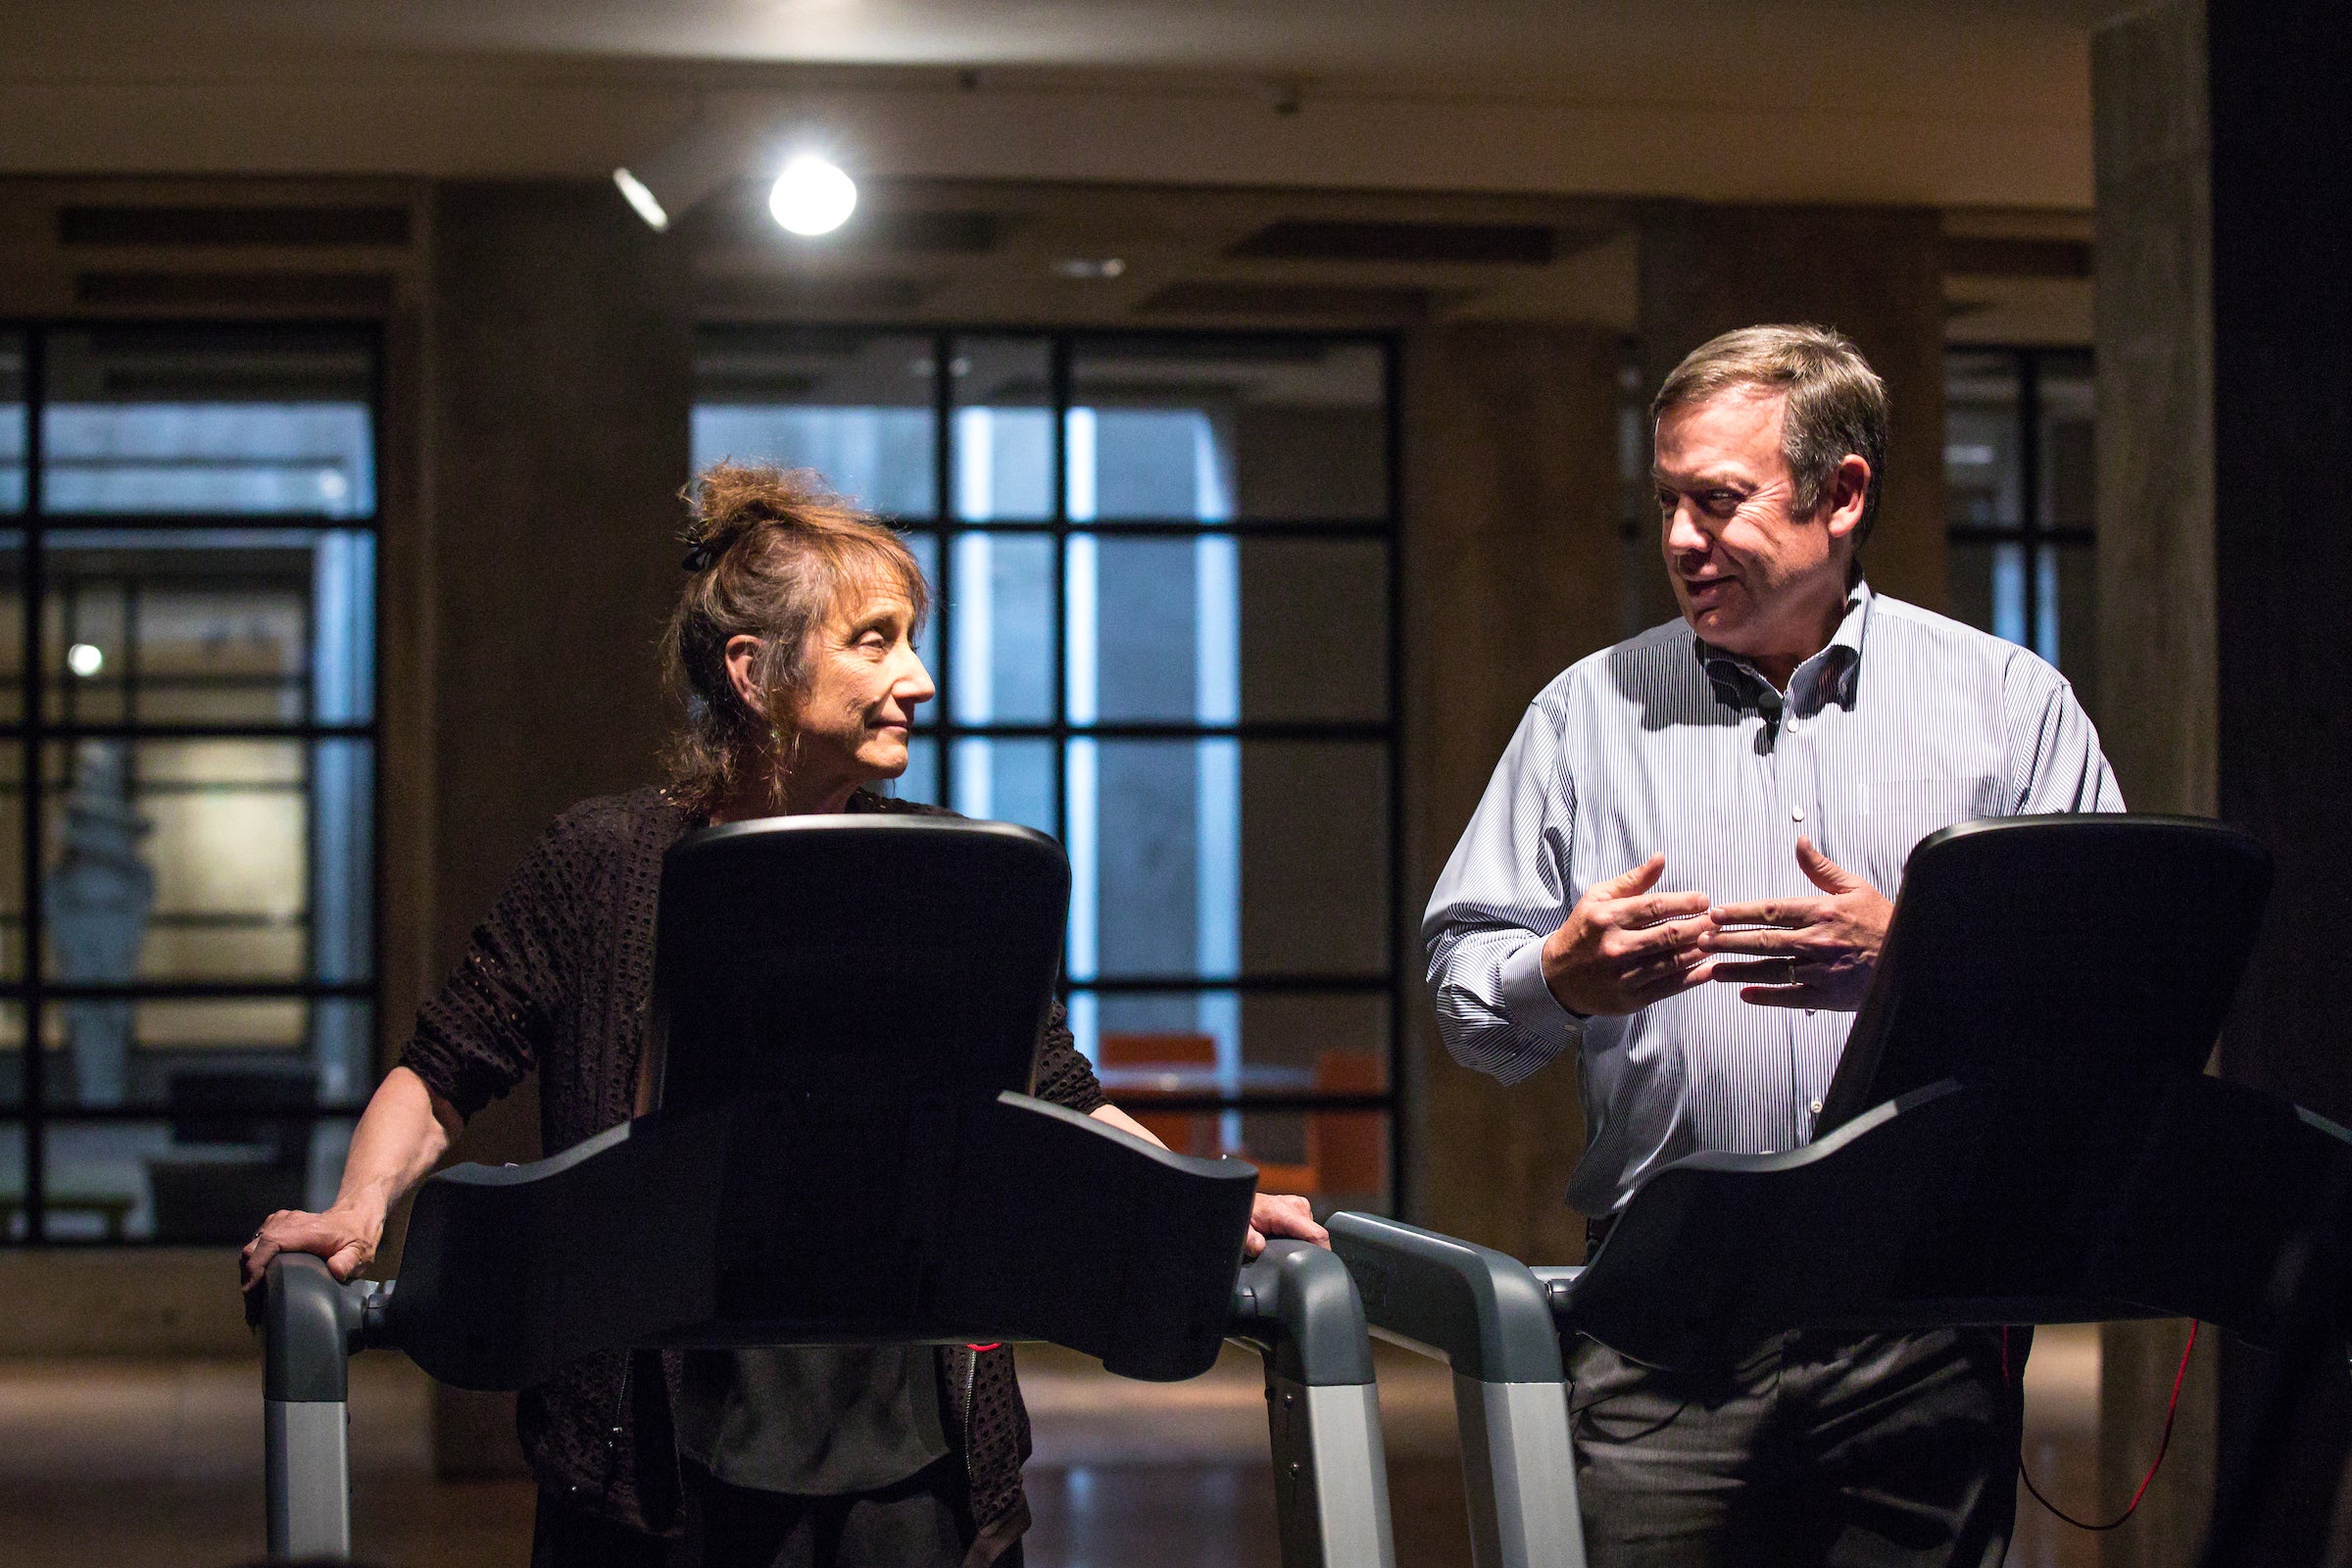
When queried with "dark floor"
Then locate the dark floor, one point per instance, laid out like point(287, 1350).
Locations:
point(120, 1463)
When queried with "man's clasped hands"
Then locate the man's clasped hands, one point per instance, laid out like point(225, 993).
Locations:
point(1627, 944)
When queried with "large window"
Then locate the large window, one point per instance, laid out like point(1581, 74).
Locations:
point(2018, 477)
point(1165, 634)
point(187, 652)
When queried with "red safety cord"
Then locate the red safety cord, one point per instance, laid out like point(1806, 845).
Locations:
point(2172, 1409)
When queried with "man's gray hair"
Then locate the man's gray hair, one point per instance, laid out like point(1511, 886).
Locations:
point(1837, 403)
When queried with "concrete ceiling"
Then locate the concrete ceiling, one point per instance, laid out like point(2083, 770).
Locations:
point(1540, 44)
point(1940, 101)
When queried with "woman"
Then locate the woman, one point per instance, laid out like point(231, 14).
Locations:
point(792, 647)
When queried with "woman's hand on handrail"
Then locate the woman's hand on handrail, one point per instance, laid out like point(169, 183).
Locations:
point(1274, 1215)
point(404, 1131)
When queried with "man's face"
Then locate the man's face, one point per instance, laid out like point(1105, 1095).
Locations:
point(1751, 578)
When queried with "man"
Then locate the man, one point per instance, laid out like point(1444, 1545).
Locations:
point(1681, 874)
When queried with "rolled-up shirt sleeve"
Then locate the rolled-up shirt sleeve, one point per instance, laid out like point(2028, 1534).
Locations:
point(1505, 889)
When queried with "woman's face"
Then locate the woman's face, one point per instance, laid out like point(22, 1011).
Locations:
point(864, 683)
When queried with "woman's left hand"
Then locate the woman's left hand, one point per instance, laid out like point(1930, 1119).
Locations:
point(1279, 1214)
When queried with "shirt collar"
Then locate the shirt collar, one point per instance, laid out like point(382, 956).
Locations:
point(1829, 676)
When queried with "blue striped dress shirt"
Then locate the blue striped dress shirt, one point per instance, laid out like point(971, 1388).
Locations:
point(1906, 722)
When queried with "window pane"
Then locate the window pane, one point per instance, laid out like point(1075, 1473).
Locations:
point(1983, 479)
point(209, 859)
point(111, 1052)
point(855, 407)
point(2074, 569)
point(267, 424)
point(12, 625)
point(926, 637)
point(1003, 628)
point(12, 423)
point(1314, 857)
point(1157, 1045)
point(1002, 434)
point(1968, 573)
point(1988, 582)
point(1208, 629)
point(12, 863)
point(11, 1137)
point(187, 627)
point(1154, 630)
point(238, 1144)
point(11, 1073)
point(1337, 1158)
point(920, 781)
point(1205, 430)
point(2069, 468)
point(1216, 858)
point(1007, 782)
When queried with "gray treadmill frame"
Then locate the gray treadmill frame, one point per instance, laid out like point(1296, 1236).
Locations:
point(1296, 1305)
point(1488, 1317)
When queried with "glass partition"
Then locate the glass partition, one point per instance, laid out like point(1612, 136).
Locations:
point(188, 915)
point(1163, 633)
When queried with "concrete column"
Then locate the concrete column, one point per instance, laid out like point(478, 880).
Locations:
point(560, 351)
point(1513, 573)
point(1874, 273)
point(2157, 713)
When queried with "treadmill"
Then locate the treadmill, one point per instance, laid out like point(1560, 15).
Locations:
point(2019, 1132)
point(844, 1151)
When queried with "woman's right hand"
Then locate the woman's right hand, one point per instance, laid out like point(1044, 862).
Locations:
point(406, 1128)
point(345, 1237)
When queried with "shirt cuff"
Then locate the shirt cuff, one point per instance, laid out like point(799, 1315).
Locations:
point(1528, 1003)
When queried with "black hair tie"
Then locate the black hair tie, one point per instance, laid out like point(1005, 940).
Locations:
point(698, 559)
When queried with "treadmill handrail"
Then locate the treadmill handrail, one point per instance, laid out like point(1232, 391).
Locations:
point(1481, 1310)
point(1298, 1303)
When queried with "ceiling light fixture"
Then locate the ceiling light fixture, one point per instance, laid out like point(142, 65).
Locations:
point(1089, 266)
point(640, 196)
point(812, 196)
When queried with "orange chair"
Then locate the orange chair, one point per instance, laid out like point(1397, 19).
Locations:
point(1348, 1149)
point(1186, 1132)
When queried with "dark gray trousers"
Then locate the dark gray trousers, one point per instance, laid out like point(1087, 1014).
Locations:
point(1845, 1452)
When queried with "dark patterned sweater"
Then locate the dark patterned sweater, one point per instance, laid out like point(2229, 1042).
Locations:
point(559, 979)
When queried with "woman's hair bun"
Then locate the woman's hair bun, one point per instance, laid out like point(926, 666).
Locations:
point(729, 500)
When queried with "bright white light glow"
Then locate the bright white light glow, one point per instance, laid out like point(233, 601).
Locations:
point(812, 196)
point(85, 659)
point(642, 199)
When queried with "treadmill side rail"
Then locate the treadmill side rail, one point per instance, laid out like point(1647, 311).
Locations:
point(1486, 1315)
point(310, 1326)
point(1297, 1306)
point(1519, 1474)
point(309, 1480)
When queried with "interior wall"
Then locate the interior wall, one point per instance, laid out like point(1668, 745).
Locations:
point(1873, 272)
point(560, 362)
point(1512, 567)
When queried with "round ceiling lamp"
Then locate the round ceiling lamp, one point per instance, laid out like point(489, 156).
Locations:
point(812, 196)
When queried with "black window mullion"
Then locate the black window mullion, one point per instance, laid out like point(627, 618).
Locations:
point(1058, 377)
point(1392, 395)
point(2028, 494)
point(33, 1076)
point(944, 510)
